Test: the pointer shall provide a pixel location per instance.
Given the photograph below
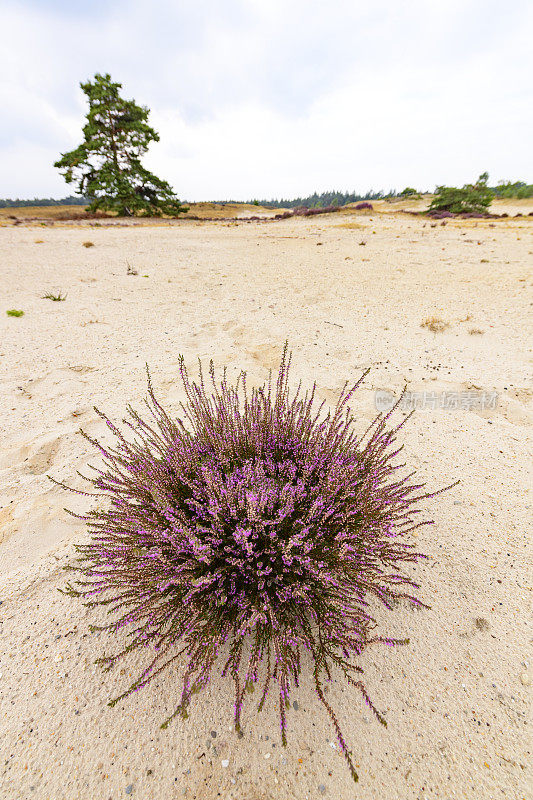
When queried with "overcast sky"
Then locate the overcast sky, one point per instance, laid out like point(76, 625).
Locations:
point(270, 98)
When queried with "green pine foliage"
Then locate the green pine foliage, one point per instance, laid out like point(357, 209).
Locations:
point(107, 164)
point(519, 189)
point(471, 198)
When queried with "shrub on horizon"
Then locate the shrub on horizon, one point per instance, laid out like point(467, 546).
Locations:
point(471, 198)
point(410, 193)
point(519, 189)
point(253, 528)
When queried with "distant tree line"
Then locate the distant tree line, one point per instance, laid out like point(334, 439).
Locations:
point(44, 201)
point(509, 189)
point(333, 198)
point(518, 189)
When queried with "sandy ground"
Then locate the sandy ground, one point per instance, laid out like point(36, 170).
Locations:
point(348, 293)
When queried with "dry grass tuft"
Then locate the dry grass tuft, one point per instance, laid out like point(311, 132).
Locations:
point(88, 244)
point(435, 324)
point(350, 225)
point(475, 332)
point(57, 298)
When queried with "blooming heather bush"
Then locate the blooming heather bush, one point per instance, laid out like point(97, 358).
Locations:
point(254, 528)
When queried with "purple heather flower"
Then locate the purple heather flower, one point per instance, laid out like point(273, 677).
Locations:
point(254, 523)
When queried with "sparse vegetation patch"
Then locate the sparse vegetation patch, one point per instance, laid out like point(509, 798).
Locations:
point(435, 324)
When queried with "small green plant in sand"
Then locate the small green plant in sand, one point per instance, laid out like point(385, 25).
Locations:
point(14, 312)
point(57, 298)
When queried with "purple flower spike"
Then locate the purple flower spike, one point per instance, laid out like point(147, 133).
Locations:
point(253, 528)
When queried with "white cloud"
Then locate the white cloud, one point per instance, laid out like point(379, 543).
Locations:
point(279, 98)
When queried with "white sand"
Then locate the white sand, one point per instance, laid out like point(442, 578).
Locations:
point(456, 699)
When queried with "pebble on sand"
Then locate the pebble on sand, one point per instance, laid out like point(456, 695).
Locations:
point(526, 678)
point(225, 762)
point(129, 788)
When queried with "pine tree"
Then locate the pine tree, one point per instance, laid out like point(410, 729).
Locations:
point(107, 164)
point(471, 198)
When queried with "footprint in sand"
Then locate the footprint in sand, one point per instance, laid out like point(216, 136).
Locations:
point(60, 381)
point(43, 459)
point(331, 396)
point(15, 456)
point(6, 523)
point(35, 457)
point(514, 405)
point(31, 527)
point(363, 404)
point(228, 326)
point(267, 355)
